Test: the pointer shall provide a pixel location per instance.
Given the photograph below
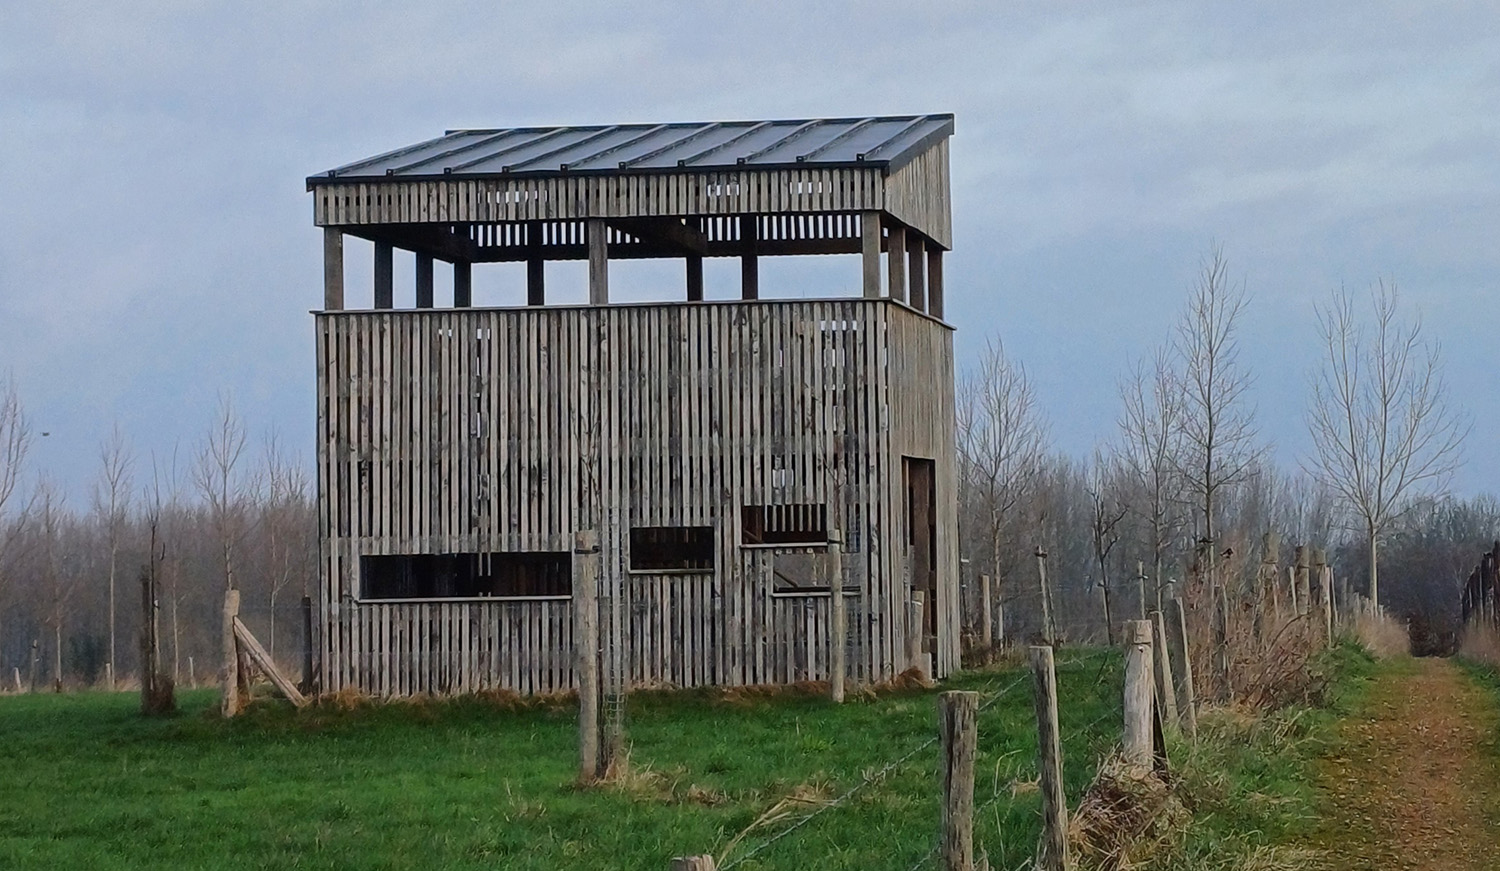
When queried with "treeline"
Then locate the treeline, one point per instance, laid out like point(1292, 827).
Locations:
point(1184, 489)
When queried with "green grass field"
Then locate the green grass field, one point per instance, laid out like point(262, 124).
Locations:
point(85, 782)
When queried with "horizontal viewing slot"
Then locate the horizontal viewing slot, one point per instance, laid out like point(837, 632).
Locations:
point(519, 574)
point(784, 524)
point(672, 549)
point(802, 574)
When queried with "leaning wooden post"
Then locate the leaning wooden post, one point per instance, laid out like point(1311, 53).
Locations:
point(1166, 696)
point(1053, 853)
point(586, 561)
point(307, 645)
point(1181, 660)
point(230, 702)
point(1138, 697)
point(694, 863)
point(838, 632)
point(958, 719)
point(987, 617)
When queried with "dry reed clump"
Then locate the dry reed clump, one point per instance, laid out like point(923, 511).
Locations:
point(804, 799)
point(1481, 643)
point(1124, 820)
point(1382, 635)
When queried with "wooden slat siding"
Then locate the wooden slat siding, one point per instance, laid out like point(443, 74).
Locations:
point(917, 193)
point(694, 403)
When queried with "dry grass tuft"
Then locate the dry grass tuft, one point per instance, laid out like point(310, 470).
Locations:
point(1124, 820)
point(1481, 643)
point(1382, 635)
point(804, 799)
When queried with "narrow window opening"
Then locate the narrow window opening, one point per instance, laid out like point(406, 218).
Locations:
point(784, 524)
point(672, 549)
point(466, 575)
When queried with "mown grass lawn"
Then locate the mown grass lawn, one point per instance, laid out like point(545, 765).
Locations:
point(85, 782)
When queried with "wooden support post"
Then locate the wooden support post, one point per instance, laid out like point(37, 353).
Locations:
point(158, 695)
point(986, 616)
point(536, 266)
point(192, 674)
point(333, 269)
point(916, 272)
point(935, 281)
point(1140, 588)
point(586, 563)
point(307, 645)
point(230, 703)
point(694, 863)
point(385, 294)
point(598, 240)
point(252, 649)
point(16, 673)
point(1053, 851)
point(463, 284)
point(1166, 694)
point(1139, 677)
point(914, 613)
point(895, 261)
point(958, 719)
point(424, 280)
point(35, 661)
point(695, 278)
point(869, 252)
point(749, 257)
point(1181, 661)
point(1304, 594)
point(1049, 632)
point(838, 633)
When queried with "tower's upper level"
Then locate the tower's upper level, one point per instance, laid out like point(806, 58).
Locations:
point(742, 189)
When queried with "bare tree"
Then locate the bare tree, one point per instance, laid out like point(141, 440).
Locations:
point(54, 581)
point(15, 442)
point(1001, 440)
point(284, 522)
point(1150, 453)
point(1382, 429)
point(1218, 425)
point(216, 476)
point(112, 506)
point(1107, 510)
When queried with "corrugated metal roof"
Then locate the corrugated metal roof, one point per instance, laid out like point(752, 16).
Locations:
point(882, 141)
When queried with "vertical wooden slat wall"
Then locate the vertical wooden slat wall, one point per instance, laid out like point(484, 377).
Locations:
point(491, 430)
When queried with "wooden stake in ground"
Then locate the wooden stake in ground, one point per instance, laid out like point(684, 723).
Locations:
point(230, 703)
point(1049, 632)
point(1139, 669)
point(157, 692)
point(1166, 695)
point(958, 718)
point(986, 616)
point(1300, 578)
point(1053, 852)
point(838, 634)
point(307, 645)
point(586, 560)
point(694, 863)
point(1182, 663)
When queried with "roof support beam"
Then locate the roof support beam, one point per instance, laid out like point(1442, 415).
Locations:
point(383, 268)
point(935, 281)
point(749, 254)
point(536, 265)
point(424, 280)
point(333, 269)
point(895, 261)
point(598, 242)
point(869, 249)
point(463, 284)
point(916, 272)
point(670, 231)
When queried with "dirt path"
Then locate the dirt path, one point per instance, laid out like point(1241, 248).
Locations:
point(1413, 785)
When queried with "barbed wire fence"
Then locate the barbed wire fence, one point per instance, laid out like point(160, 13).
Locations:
point(1013, 765)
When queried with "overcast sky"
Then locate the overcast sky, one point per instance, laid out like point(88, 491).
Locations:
point(157, 246)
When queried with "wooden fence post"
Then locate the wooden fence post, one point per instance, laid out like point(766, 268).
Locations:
point(16, 673)
point(1053, 852)
point(694, 863)
point(1166, 695)
point(838, 631)
point(307, 645)
point(1300, 578)
point(958, 719)
point(586, 564)
point(1049, 631)
point(230, 702)
point(1181, 661)
point(1138, 697)
point(987, 617)
point(35, 659)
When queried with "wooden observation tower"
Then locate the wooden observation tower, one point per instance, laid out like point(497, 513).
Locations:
point(711, 444)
